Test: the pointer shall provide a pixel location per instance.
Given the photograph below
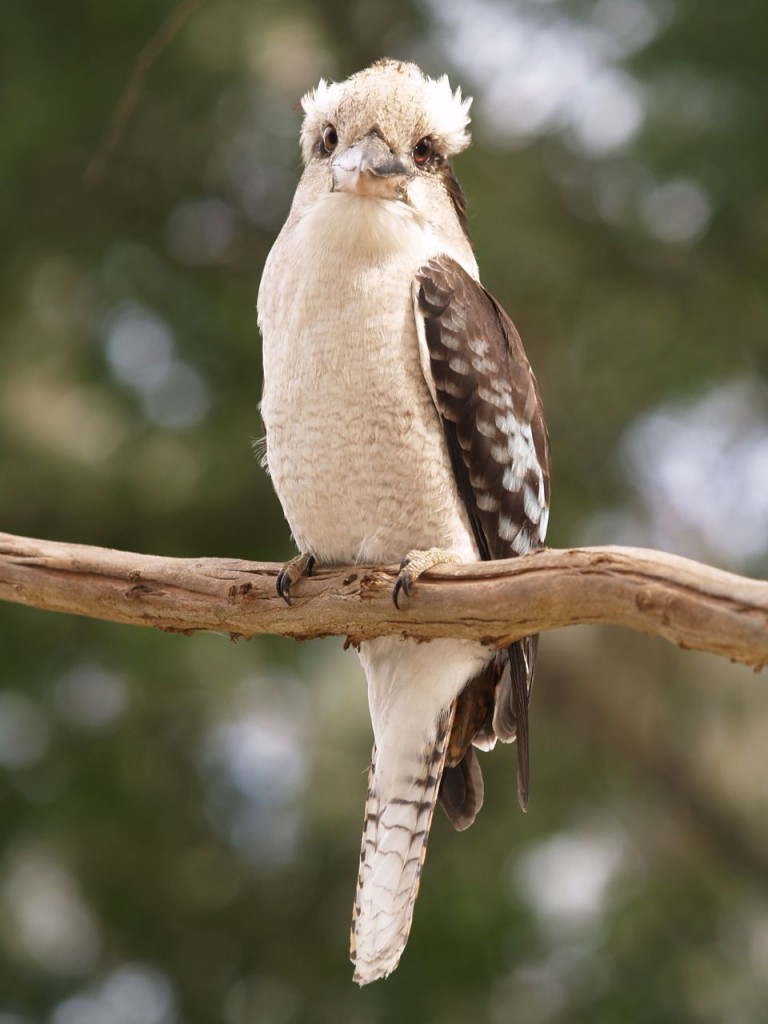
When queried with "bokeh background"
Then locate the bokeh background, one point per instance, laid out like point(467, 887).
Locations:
point(180, 817)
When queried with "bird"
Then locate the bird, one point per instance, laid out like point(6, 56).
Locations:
point(403, 424)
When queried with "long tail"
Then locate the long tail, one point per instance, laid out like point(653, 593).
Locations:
point(398, 816)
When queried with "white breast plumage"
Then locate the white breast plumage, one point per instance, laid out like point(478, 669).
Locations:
point(348, 415)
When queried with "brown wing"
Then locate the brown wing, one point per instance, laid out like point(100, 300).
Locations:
point(489, 406)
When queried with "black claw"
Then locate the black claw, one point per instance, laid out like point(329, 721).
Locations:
point(284, 586)
point(285, 580)
point(402, 586)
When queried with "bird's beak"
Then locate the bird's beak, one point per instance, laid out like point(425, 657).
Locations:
point(369, 168)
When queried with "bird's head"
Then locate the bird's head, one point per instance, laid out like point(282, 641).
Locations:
point(388, 132)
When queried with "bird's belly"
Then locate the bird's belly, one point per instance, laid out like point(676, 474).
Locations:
point(356, 449)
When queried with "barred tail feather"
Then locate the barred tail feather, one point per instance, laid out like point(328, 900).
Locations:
point(395, 834)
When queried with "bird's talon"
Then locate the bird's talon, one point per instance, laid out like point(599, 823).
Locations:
point(299, 566)
point(284, 586)
point(402, 586)
point(414, 565)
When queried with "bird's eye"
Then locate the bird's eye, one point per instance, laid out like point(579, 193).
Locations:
point(423, 150)
point(330, 138)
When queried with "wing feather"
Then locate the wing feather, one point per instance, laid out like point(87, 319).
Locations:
point(487, 398)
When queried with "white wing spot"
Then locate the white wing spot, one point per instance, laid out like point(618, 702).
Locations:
point(484, 365)
point(511, 481)
point(531, 503)
point(486, 502)
point(478, 345)
point(453, 390)
point(459, 365)
point(543, 523)
point(488, 396)
point(521, 544)
point(509, 530)
point(508, 423)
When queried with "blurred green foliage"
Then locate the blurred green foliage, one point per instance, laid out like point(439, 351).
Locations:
point(180, 816)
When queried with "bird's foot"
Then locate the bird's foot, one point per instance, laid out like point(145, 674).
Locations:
point(299, 566)
point(414, 564)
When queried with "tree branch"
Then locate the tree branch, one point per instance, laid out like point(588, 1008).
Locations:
point(693, 605)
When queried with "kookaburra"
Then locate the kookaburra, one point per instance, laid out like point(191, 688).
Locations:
point(403, 424)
